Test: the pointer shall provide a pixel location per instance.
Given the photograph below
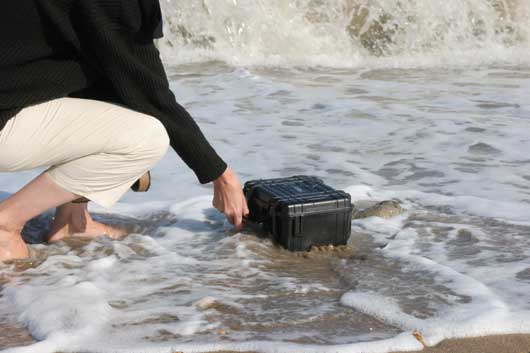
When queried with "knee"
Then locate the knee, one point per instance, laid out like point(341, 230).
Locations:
point(156, 139)
point(5, 159)
point(11, 157)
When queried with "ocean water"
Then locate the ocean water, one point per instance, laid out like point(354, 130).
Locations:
point(425, 102)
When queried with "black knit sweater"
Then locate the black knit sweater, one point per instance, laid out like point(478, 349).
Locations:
point(96, 49)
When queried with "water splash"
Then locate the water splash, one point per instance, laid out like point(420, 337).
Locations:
point(347, 33)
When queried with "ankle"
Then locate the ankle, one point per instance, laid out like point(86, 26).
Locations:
point(80, 223)
point(8, 226)
point(74, 216)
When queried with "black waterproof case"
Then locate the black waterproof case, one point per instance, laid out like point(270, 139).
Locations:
point(300, 211)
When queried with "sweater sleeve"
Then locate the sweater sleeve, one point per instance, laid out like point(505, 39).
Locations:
point(115, 38)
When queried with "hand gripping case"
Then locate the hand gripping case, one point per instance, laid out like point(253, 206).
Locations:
point(300, 211)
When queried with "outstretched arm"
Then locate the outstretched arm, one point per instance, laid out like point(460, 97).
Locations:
point(117, 37)
point(113, 38)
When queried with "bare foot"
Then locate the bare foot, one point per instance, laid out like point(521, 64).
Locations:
point(73, 220)
point(92, 230)
point(12, 246)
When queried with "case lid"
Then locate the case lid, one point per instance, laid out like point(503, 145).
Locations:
point(298, 195)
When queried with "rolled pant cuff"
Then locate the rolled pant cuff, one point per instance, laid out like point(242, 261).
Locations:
point(105, 198)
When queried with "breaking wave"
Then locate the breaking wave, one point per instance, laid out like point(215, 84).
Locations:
point(347, 33)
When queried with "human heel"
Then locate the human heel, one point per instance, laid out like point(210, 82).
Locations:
point(12, 246)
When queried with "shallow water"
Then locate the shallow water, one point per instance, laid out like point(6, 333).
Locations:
point(451, 144)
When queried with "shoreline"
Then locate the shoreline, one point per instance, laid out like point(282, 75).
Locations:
point(511, 343)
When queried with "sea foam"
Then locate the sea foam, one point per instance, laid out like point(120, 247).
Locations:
point(455, 264)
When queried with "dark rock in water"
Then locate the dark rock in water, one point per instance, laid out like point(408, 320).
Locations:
point(483, 148)
point(498, 105)
point(442, 231)
point(524, 274)
point(475, 129)
point(292, 123)
point(383, 209)
point(319, 106)
point(463, 242)
point(465, 236)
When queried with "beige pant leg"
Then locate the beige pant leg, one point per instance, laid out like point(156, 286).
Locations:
point(94, 149)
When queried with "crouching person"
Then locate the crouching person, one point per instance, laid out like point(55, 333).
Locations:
point(83, 93)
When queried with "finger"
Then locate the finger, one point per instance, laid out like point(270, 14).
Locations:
point(238, 221)
point(230, 217)
point(245, 207)
point(218, 205)
point(214, 199)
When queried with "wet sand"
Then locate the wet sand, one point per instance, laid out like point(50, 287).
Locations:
point(488, 344)
point(13, 336)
